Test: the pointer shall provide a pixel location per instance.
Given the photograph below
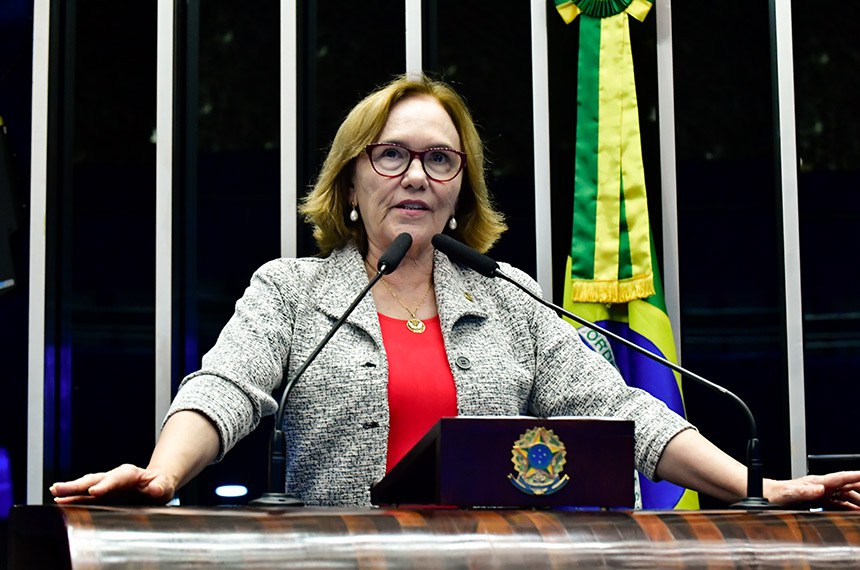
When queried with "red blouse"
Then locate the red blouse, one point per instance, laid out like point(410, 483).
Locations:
point(420, 383)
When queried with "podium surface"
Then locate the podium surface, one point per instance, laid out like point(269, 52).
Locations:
point(241, 537)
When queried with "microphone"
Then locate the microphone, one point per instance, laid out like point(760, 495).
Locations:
point(391, 257)
point(277, 496)
point(488, 267)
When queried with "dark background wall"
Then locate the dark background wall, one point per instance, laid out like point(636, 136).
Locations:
point(99, 360)
point(15, 74)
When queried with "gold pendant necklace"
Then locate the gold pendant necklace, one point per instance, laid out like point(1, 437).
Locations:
point(414, 324)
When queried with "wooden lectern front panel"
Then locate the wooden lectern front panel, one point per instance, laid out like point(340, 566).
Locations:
point(178, 537)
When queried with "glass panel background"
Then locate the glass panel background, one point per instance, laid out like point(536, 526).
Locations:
point(228, 201)
point(827, 80)
point(103, 241)
point(732, 306)
point(490, 65)
point(16, 42)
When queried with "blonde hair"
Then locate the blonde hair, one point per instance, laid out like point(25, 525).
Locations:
point(479, 225)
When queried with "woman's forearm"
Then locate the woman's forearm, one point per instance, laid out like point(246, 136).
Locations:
point(188, 443)
point(690, 460)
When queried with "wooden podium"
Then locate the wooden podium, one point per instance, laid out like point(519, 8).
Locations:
point(50, 537)
point(470, 462)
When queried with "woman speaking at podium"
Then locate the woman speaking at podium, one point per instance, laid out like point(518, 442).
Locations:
point(432, 339)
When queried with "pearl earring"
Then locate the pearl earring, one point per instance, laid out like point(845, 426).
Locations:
point(353, 215)
point(452, 223)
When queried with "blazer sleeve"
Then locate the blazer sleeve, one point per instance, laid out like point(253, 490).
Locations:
point(234, 386)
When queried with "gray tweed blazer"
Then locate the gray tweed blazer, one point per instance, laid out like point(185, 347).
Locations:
point(508, 354)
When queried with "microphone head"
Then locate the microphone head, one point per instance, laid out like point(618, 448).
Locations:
point(465, 255)
point(395, 253)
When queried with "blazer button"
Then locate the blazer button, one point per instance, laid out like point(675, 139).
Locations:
point(463, 363)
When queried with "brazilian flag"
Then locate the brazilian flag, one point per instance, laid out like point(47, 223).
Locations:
point(645, 323)
point(611, 277)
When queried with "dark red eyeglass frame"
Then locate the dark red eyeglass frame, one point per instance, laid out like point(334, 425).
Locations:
point(413, 154)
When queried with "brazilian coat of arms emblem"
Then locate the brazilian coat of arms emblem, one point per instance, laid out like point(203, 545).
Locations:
point(539, 457)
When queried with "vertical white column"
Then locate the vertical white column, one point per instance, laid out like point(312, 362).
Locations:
point(163, 208)
point(414, 60)
point(791, 233)
point(38, 213)
point(669, 189)
point(540, 111)
point(289, 128)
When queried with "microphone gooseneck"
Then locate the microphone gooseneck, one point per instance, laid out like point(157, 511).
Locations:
point(488, 267)
point(277, 495)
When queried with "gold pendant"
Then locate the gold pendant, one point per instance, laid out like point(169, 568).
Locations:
point(416, 325)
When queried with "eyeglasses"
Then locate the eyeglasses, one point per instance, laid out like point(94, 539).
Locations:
point(391, 160)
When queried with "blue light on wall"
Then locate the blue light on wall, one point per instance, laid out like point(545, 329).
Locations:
point(5, 484)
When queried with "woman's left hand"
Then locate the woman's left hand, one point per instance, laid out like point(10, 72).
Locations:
point(840, 490)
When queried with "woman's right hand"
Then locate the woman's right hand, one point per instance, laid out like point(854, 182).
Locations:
point(188, 442)
point(126, 484)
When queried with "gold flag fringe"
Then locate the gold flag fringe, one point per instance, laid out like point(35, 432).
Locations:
point(615, 291)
